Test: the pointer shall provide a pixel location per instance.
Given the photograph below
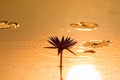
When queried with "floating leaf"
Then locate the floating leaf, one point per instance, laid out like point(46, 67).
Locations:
point(97, 43)
point(84, 26)
point(8, 25)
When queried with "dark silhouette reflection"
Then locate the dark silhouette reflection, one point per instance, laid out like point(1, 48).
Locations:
point(89, 51)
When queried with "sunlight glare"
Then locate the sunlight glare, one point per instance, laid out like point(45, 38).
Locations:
point(83, 72)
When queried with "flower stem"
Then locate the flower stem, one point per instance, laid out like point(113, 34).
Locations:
point(61, 66)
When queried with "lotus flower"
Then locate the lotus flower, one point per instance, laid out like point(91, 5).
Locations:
point(64, 43)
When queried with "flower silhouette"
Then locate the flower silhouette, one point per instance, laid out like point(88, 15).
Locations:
point(64, 43)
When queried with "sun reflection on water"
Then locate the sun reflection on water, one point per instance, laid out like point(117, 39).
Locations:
point(83, 72)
